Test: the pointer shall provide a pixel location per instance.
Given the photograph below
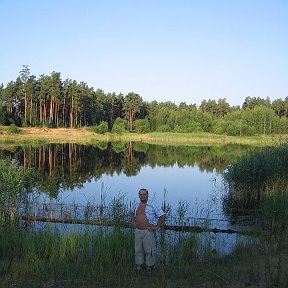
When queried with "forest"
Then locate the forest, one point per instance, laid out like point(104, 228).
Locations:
point(49, 101)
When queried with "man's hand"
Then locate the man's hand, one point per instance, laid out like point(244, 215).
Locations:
point(152, 228)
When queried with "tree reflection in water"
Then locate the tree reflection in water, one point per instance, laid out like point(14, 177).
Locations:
point(187, 172)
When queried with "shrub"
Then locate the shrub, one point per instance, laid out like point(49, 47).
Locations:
point(119, 126)
point(13, 129)
point(141, 125)
point(118, 130)
point(102, 128)
point(219, 127)
point(164, 128)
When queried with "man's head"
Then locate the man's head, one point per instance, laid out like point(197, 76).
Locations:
point(143, 195)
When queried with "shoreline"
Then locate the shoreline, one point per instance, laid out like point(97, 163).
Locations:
point(86, 136)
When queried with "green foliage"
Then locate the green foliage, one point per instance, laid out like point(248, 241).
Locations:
point(181, 211)
point(141, 147)
point(118, 130)
point(119, 146)
point(102, 145)
point(205, 119)
point(164, 128)
point(102, 128)
point(12, 184)
point(141, 126)
point(239, 128)
point(184, 252)
point(118, 209)
point(193, 127)
point(132, 105)
point(119, 126)
point(255, 176)
point(49, 101)
point(273, 209)
point(219, 126)
point(13, 129)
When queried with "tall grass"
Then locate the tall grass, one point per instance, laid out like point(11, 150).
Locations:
point(255, 177)
point(47, 255)
point(258, 187)
point(104, 256)
point(274, 212)
point(13, 182)
point(186, 138)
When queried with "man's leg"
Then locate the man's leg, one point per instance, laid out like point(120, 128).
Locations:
point(139, 252)
point(149, 244)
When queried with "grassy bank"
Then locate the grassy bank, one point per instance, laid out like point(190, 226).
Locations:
point(105, 259)
point(86, 136)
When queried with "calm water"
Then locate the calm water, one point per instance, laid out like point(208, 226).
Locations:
point(172, 184)
point(78, 174)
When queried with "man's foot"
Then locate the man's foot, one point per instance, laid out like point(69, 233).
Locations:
point(149, 268)
point(138, 268)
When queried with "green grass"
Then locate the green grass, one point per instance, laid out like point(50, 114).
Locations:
point(105, 259)
point(189, 138)
point(154, 137)
point(256, 176)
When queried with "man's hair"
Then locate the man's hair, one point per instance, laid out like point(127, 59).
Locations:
point(143, 189)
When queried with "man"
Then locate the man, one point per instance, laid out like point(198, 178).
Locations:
point(146, 218)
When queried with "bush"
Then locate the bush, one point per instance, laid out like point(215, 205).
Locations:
point(141, 125)
point(102, 128)
point(219, 126)
point(164, 128)
point(193, 127)
point(13, 129)
point(119, 126)
point(118, 130)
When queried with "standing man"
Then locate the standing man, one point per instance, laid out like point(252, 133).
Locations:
point(146, 218)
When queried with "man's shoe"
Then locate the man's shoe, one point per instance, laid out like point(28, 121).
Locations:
point(149, 268)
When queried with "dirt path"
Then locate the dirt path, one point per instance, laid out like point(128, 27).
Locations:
point(49, 134)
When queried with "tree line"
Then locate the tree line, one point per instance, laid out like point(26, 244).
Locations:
point(49, 101)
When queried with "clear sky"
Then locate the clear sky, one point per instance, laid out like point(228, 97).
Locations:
point(164, 50)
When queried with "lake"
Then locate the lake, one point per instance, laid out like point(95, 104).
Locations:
point(187, 178)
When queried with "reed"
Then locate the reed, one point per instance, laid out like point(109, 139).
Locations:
point(254, 177)
point(13, 184)
point(274, 213)
point(104, 256)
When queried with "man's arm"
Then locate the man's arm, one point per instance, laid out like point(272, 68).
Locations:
point(161, 220)
point(133, 221)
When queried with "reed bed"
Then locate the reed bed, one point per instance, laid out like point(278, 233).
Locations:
point(104, 258)
point(257, 179)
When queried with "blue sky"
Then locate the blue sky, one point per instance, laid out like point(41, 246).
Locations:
point(164, 50)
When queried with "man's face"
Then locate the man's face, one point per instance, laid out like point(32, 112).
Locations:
point(143, 195)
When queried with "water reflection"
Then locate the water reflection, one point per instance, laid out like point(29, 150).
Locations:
point(73, 173)
point(81, 175)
